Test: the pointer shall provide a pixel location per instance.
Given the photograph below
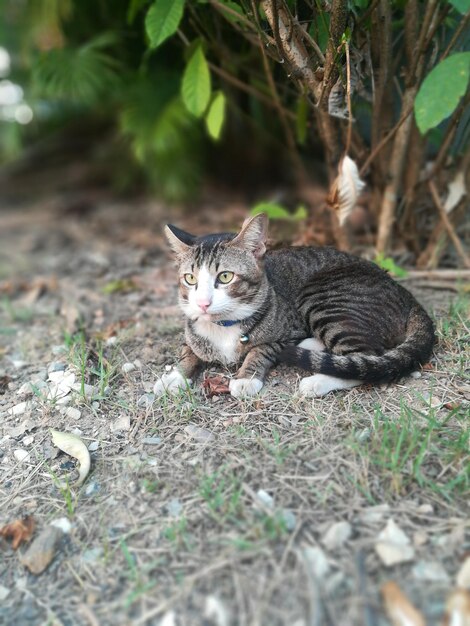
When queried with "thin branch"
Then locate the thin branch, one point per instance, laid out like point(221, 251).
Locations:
point(420, 46)
point(448, 224)
point(348, 95)
point(248, 89)
point(297, 161)
point(458, 32)
point(306, 35)
point(384, 141)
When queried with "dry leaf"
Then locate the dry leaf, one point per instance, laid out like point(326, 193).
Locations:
point(113, 329)
point(215, 385)
point(398, 608)
point(41, 552)
point(73, 445)
point(345, 189)
point(20, 531)
point(457, 609)
point(457, 191)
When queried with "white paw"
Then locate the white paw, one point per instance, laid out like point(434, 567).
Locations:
point(312, 343)
point(320, 384)
point(245, 387)
point(171, 382)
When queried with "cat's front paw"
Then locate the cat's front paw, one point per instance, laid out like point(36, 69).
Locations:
point(245, 387)
point(171, 382)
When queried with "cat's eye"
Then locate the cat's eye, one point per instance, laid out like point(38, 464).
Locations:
point(190, 279)
point(225, 277)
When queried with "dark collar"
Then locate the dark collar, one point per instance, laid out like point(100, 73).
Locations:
point(228, 322)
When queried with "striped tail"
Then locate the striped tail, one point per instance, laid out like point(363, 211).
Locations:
point(415, 350)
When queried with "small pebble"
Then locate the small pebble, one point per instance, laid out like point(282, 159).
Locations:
point(290, 519)
point(25, 390)
point(56, 366)
point(95, 405)
point(94, 445)
point(128, 367)
point(121, 423)
point(72, 413)
point(265, 498)
point(92, 489)
point(415, 374)
point(174, 507)
point(19, 409)
point(151, 441)
point(4, 593)
point(21, 455)
point(146, 400)
point(337, 535)
point(27, 441)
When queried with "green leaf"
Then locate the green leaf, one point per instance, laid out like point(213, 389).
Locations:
point(301, 120)
point(441, 91)
point(196, 85)
point(163, 20)
point(388, 264)
point(216, 115)
point(462, 6)
point(277, 212)
point(320, 30)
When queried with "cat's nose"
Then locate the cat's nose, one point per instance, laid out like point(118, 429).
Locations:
point(204, 305)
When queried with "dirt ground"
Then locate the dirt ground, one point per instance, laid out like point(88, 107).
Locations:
point(199, 510)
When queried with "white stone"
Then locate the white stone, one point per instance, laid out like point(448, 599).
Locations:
point(374, 514)
point(21, 455)
point(200, 434)
point(72, 413)
point(20, 408)
point(415, 374)
point(27, 441)
point(317, 561)
point(393, 546)
point(430, 571)
point(4, 593)
point(128, 367)
point(265, 498)
point(336, 535)
point(63, 524)
point(121, 423)
point(25, 390)
point(94, 445)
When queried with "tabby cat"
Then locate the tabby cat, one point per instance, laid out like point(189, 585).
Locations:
point(339, 317)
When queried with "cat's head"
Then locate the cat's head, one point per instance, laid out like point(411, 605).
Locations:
point(221, 276)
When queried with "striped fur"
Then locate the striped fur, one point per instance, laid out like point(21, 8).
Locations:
point(372, 328)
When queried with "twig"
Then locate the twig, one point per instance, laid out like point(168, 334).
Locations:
point(456, 35)
point(348, 95)
point(448, 224)
point(437, 274)
point(248, 88)
point(306, 35)
point(297, 161)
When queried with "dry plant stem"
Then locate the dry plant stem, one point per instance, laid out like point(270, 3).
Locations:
point(248, 89)
point(462, 26)
point(390, 195)
point(306, 35)
point(382, 55)
point(438, 274)
point(448, 225)
point(449, 135)
point(348, 95)
point(299, 169)
point(293, 51)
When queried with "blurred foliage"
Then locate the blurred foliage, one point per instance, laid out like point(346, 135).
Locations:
point(173, 76)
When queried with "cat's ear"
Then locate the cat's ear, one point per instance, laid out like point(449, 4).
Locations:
point(178, 239)
point(253, 235)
